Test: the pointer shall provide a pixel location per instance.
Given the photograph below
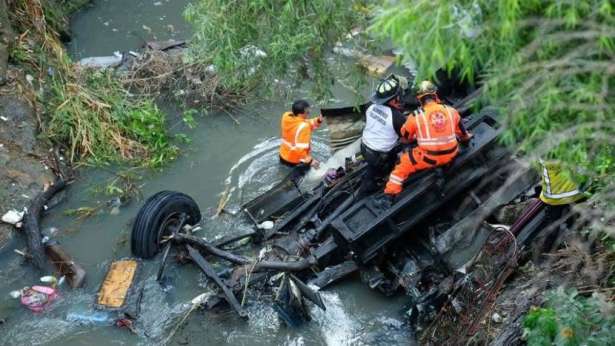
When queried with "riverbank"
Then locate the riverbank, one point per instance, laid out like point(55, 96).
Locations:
point(56, 113)
point(248, 160)
point(27, 158)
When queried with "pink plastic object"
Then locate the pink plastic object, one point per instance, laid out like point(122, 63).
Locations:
point(37, 298)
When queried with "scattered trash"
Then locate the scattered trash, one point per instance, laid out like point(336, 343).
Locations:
point(13, 216)
point(266, 225)
point(91, 318)
point(36, 298)
point(102, 61)
point(126, 323)
point(251, 52)
point(496, 318)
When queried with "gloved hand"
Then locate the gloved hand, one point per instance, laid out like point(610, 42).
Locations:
point(384, 201)
point(467, 137)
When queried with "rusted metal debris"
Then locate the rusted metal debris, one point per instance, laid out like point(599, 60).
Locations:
point(211, 273)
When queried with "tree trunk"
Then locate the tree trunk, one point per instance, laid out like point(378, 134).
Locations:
point(31, 223)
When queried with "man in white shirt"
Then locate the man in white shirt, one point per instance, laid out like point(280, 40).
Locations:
point(383, 124)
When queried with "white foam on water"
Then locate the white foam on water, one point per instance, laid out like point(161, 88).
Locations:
point(336, 326)
point(337, 160)
point(257, 151)
point(298, 341)
point(263, 168)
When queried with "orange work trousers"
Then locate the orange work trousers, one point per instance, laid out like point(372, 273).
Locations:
point(411, 162)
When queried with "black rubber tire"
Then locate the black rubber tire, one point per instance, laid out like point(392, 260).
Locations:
point(154, 218)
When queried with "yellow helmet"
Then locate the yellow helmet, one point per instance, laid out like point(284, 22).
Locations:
point(426, 88)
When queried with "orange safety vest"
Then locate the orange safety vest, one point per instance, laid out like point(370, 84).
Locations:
point(296, 137)
point(435, 129)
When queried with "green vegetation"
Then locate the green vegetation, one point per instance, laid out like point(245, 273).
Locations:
point(103, 123)
point(88, 112)
point(547, 65)
point(261, 41)
point(571, 319)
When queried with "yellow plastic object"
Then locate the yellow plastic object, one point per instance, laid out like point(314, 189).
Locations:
point(114, 289)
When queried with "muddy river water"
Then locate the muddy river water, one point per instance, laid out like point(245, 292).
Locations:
point(222, 154)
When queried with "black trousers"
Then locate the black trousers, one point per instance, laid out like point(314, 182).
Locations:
point(298, 169)
point(379, 165)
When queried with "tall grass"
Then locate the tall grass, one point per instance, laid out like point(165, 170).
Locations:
point(264, 41)
point(87, 112)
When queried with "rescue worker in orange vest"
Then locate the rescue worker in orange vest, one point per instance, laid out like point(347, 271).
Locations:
point(437, 129)
point(296, 131)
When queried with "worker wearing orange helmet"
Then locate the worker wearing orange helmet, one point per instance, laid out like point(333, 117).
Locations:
point(437, 130)
point(296, 131)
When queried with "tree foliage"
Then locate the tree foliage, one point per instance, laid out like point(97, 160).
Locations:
point(570, 319)
point(264, 40)
point(548, 66)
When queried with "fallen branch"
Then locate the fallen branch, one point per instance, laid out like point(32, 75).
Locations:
point(32, 227)
point(286, 266)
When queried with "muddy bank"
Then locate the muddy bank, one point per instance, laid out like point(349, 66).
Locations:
point(24, 153)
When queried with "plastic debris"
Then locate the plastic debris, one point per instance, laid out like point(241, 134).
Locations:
point(200, 299)
point(13, 216)
point(102, 61)
point(126, 323)
point(90, 318)
point(497, 318)
point(37, 298)
point(266, 225)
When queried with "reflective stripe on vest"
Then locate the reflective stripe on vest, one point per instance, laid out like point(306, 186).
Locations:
point(396, 180)
point(296, 145)
point(424, 136)
point(548, 193)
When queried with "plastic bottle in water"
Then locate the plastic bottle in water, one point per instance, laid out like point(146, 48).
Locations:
point(90, 318)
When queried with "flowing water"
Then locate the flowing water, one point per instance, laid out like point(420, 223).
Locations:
point(223, 156)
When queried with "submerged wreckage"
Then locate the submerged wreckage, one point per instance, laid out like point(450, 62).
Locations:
point(310, 237)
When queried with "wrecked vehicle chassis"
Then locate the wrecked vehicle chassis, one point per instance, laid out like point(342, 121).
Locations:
point(323, 234)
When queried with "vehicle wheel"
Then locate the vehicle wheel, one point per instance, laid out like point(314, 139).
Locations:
point(159, 217)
